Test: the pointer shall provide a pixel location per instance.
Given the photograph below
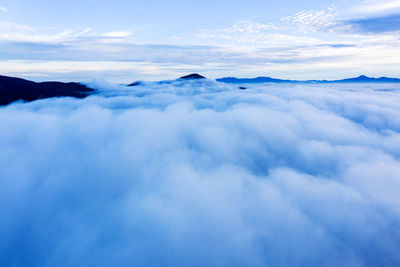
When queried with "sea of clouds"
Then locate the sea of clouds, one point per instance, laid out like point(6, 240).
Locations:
point(200, 173)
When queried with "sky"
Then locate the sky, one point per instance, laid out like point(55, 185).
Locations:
point(123, 41)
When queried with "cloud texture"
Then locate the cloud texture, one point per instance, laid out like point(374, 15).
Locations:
point(203, 174)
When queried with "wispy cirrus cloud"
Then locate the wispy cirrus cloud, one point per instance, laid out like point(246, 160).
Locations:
point(332, 21)
point(255, 33)
point(315, 20)
point(24, 33)
point(9, 27)
point(376, 6)
point(117, 34)
point(239, 31)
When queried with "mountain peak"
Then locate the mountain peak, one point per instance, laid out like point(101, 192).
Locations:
point(193, 76)
point(137, 83)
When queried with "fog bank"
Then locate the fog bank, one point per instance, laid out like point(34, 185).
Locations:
point(199, 173)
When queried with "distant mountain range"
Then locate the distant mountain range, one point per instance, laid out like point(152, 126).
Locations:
point(360, 79)
point(234, 80)
point(14, 89)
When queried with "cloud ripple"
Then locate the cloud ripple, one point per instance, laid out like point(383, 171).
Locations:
point(203, 174)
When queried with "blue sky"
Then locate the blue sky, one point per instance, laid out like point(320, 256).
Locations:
point(128, 40)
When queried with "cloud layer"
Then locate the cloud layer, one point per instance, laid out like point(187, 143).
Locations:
point(203, 174)
point(342, 38)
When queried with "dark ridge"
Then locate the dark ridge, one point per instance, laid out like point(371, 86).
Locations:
point(360, 79)
point(364, 78)
point(193, 76)
point(14, 89)
point(135, 83)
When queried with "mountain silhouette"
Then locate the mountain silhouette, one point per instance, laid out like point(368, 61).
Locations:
point(14, 89)
point(360, 79)
point(364, 79)
point(137, 83)
point(193, 76)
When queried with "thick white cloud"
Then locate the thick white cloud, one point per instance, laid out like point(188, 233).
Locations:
point(203, 174)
